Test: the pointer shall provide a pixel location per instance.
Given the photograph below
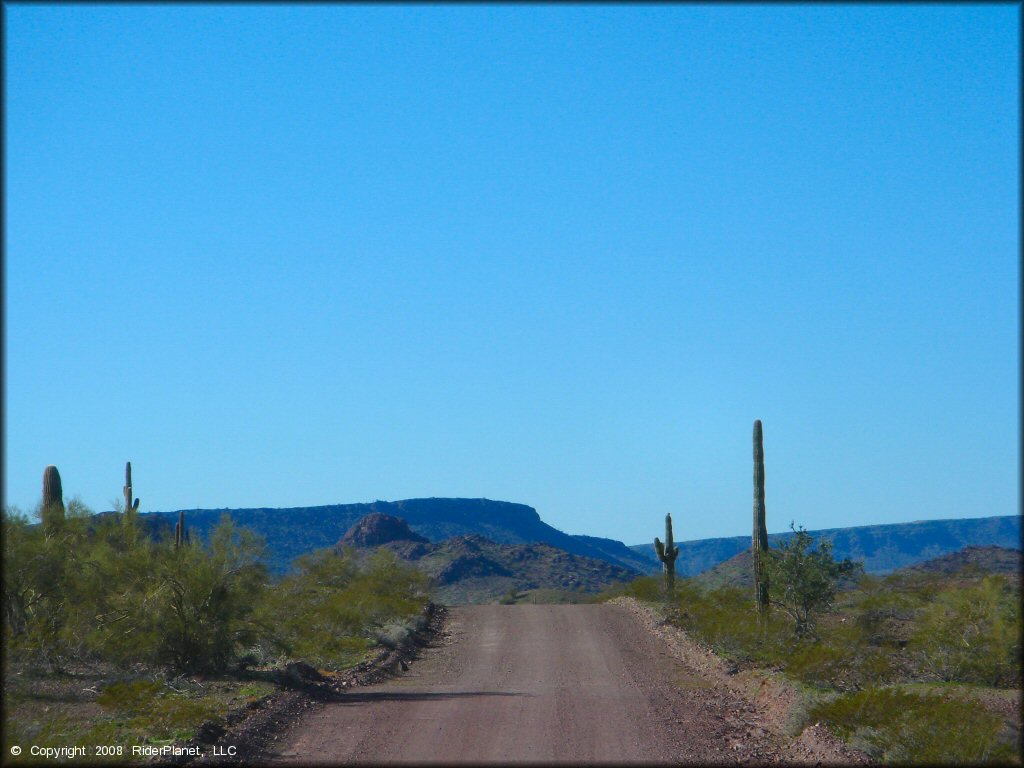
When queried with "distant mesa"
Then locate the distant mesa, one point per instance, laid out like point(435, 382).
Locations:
point(377, 529)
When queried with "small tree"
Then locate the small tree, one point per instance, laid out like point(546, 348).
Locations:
point(804, 581)
point(204, 598)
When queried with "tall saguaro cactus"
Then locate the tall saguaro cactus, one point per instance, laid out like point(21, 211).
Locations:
point(180, 536)
point(53, 499)
point(759, 542)
point(129, 506)
point(667, 553)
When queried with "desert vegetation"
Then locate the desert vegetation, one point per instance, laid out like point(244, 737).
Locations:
point(914, 667)
point(108, 628)
point(910, 667)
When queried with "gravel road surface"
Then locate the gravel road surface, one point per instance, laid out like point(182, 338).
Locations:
point(538, 683)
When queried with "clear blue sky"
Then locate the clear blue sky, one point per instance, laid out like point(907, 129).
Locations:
point(559, 255)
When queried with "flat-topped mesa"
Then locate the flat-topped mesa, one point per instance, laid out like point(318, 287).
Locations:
point(376, 529)
point(465, 510)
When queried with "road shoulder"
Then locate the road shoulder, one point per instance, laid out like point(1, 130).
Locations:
point(776, 700)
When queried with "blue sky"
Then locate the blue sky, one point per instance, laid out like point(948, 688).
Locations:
point(560, 255)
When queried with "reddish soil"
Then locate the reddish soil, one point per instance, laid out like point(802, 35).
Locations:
point(549, 683)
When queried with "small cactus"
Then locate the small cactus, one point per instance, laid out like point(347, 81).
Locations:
point(129, 507)
point(759, 543)
point(53, 499)
point(667, 553)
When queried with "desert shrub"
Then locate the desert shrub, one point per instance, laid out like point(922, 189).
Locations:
point(95, 588)
point(843, 658)
point(511, 597)
point(33, 577)
point(918, 587)
point(154, 708)
point(646, 588)
point(878, 607)
point(898, 726)
point(336, 605)
point(972, 634)
point(188, 608)
point(804, 581)
point(394, 633)
point(40, 567)
point(109, 596)
point(389, 587)
point(724, 619)
point(203, 597)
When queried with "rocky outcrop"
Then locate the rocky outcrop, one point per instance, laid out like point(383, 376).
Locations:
point(376, 529)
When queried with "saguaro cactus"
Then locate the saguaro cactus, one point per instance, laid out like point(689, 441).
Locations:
point(759, 542)
point(667, 553)
point(180, 537)
point(129, 507)
point(53, 499)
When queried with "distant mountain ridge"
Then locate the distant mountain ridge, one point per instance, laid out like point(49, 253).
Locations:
point(882, 548)
point(294, 531)
point(737, 571)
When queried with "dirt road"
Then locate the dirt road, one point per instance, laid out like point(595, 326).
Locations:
point(546, 683)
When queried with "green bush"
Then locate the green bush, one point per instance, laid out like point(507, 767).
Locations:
point(98, 589)
point(40, 567)
point(804, 581)
point(646, 588)
point(202, 599)
point(972, 634)
point(841, 658)
point(335, 606)
point(903, 727)
point(724, 619)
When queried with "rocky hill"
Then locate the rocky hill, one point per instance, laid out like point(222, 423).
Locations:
point(473, 569)
point(882, 548)
point(377, 529)
point(971, 561)
point(737, 571)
